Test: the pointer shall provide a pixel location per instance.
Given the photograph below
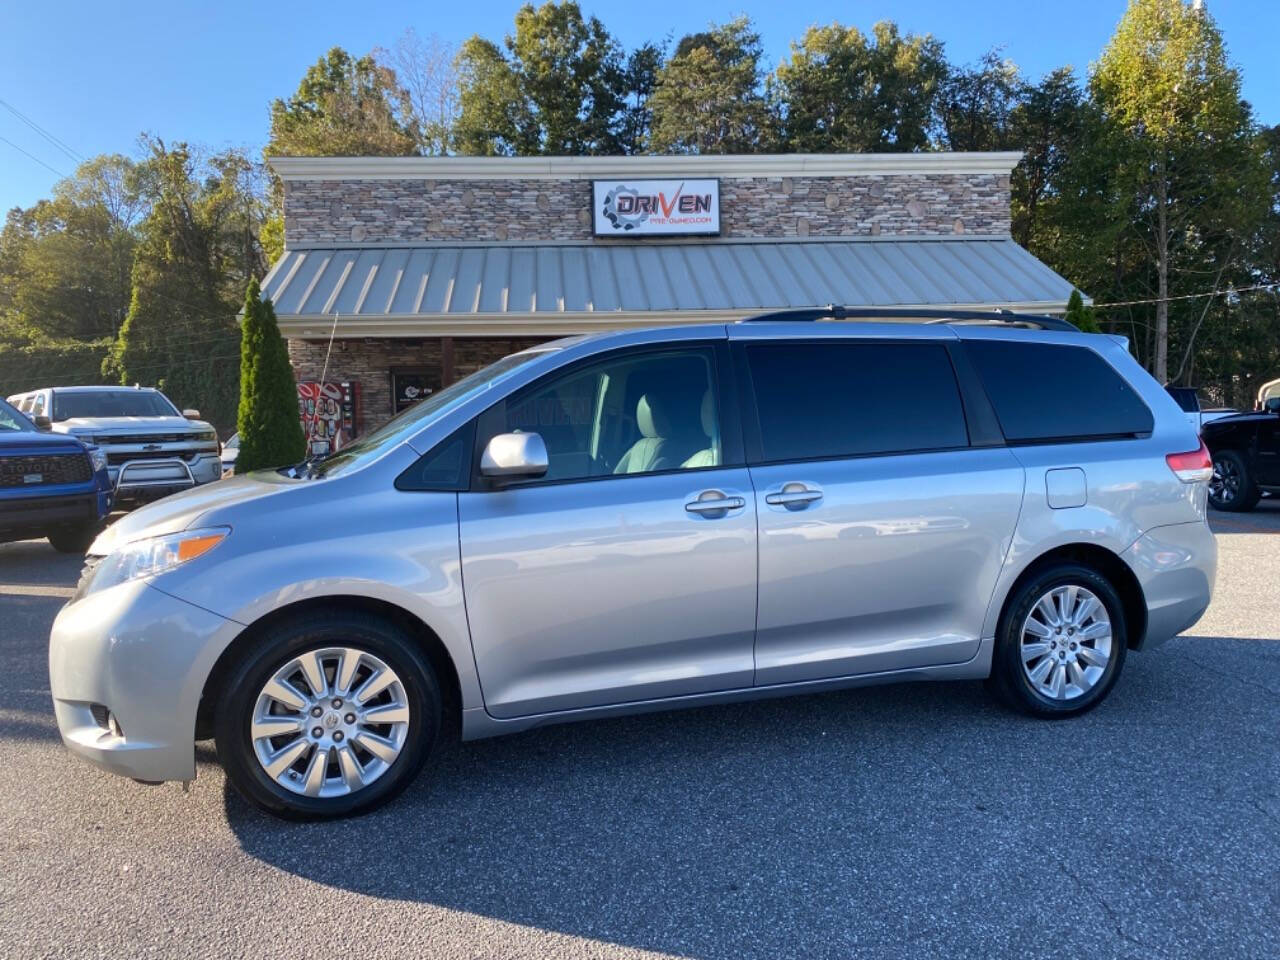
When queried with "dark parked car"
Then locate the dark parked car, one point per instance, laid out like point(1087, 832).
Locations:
point(51, 485)
point(1246, 457)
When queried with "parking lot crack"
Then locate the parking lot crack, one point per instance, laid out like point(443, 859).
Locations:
point(1106, 908)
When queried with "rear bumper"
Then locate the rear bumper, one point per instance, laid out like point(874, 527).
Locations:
point(1176, 567)
point(144, 656)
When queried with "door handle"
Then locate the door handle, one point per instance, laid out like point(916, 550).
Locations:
point(712, 502)
point(793, 496)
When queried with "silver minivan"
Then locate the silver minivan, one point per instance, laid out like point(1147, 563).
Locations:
point(647, 520)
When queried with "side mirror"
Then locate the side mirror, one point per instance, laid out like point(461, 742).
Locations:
point(1272, 405)
point(191, 414)
point(514, 455)
point(42, 422)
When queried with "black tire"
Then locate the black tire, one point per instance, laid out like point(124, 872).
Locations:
point(1232, 488)
point(75, 539)
point(283, 641)
point(1009, 681)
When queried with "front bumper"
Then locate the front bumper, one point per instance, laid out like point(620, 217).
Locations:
point(28, 517)
point(1176, 567)
point(149, 479)
point(144, 656)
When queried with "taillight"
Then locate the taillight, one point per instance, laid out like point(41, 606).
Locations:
point(1194, 466)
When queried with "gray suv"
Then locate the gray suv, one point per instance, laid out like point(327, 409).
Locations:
point(647, 520)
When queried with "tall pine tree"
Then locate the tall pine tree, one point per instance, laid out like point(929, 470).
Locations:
point(268, 421)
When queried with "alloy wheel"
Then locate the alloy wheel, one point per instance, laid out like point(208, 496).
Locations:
point(330, 722)
point(1224, 485)
point(1066, 643)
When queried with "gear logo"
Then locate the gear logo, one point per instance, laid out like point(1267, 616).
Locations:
point(624, 221)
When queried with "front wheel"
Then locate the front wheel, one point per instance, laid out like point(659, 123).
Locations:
point(331, 715)
point(1061, 642)
point(74, 539)
point(1232, 488)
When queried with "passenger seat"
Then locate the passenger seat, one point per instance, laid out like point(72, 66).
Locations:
point(707, 457)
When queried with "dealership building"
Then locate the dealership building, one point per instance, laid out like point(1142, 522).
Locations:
point(423, 269)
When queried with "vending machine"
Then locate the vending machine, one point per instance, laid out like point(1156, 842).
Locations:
point(329, 414)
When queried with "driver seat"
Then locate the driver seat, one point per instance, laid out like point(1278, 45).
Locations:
point(653, 450)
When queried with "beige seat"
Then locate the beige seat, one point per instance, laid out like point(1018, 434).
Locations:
point(654, 450)
point(707, 457)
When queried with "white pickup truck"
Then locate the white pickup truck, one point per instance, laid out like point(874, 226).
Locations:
point(1188, 399)
point(152, 449)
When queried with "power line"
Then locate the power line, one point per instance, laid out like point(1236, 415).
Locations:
point(34, 157)
point(43, 132)
point(1229, 291)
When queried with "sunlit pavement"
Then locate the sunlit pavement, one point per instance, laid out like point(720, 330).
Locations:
point(909, 821)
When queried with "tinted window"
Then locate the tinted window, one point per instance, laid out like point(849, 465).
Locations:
point(11, 419)
point(1185, 398)
point(632, 414)
point(821, 400)
point(1045, 391)
point(446, 466)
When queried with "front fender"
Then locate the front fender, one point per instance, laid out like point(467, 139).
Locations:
point(400, 549)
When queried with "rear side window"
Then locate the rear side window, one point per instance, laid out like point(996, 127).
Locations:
point(1045, 391)
point(846, 399)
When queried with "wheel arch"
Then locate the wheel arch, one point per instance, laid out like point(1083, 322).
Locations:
point(1111, 565)
point(427, 639)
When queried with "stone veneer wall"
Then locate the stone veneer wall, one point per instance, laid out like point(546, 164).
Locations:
point(370, 362)
point(343, 212)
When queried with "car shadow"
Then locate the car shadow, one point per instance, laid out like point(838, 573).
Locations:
point(742, 831)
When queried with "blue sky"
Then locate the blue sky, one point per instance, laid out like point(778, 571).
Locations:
point(96, 74)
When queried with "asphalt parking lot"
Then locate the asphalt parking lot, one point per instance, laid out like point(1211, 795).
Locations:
point(905, 821)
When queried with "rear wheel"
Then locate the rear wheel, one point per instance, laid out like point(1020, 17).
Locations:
point(332, 715)
point(1061, 642)
point(73, 539)
point(1232, 488)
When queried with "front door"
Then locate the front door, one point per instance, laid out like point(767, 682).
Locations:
point(629, 571)
point(882, 530)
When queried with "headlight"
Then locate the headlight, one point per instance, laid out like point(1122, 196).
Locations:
point(98, 457)
point(207, 436)
point(153, 555)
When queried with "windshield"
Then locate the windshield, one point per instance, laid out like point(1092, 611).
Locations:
point(409, 422)
point(111, 403)
point(11, 419)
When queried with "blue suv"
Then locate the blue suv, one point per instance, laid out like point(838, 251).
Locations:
point(51, 485)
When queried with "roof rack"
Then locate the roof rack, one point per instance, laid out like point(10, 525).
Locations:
point(836, 312)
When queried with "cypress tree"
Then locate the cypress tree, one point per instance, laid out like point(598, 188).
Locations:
point(1081, 315)
point(268, 421)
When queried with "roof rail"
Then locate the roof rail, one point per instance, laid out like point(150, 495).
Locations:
point(930, 315)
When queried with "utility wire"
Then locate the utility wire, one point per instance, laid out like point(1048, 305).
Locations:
point(34, 157)
point(1189, 296)
point(42, 131)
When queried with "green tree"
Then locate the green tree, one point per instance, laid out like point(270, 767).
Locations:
point(842, 91)
point(345, 106)
point(180, 332)
point(559, 88)
point(1081, 315)
point(1047, 125)
point(976, 104)
point(708, 97)
point(641, 80)
point(1188, 176)
point(267, 419)
point(65, 262)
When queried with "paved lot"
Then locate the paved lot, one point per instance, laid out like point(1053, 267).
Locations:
point(910, 821)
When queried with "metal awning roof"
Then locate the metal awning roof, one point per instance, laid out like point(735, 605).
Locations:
point(563, 288)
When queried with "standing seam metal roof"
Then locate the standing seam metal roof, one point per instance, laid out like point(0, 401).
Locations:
point(726, 275)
